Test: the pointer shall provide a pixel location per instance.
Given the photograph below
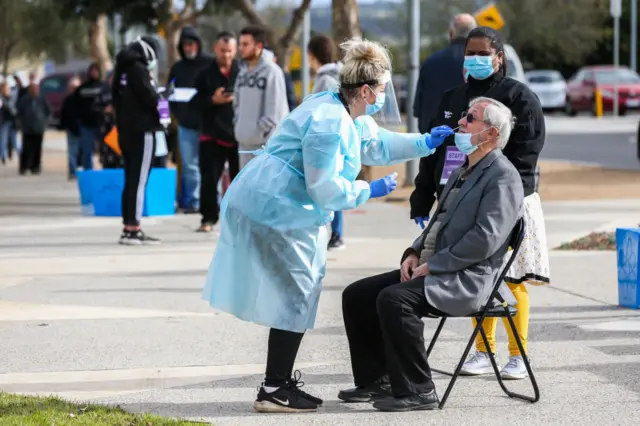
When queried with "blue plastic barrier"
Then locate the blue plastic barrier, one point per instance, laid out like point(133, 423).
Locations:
point(102, 190)
point(628, 249)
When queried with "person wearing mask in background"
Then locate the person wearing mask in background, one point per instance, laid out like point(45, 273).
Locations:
point(183, 74)
point(486, 66)
point(321, 61)
point(214, 99)
point(7, 121)
point(441, 71)
point(89, 118)
point(135, 101)
point(70, 123)
point(260, 96)
point(34, 114)
point(271, 256)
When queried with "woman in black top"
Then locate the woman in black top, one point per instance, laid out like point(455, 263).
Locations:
point(485, 70)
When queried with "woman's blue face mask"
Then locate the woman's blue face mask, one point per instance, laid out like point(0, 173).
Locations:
point(479, 67)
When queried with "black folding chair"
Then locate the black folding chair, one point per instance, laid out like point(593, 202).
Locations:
point(502, 311)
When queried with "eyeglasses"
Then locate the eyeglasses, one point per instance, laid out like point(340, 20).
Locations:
point(467, 116)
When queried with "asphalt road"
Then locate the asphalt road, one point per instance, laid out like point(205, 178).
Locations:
point(611, 150)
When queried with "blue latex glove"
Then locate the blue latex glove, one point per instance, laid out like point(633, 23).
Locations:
point(437, 136)
point(382, 187)
point(420, 220)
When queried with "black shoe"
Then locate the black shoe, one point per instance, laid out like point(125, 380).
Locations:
point(336, 243)
point(136, 238)
point(422, 401)
point(295, 384)
point(282, 400)
point(191, 210)
point(377, 390)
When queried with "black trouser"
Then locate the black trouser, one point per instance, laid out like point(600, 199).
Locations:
point(138, 150)
point(382, 317)
point(212, 157)
point(31, 154)
point(281, 355)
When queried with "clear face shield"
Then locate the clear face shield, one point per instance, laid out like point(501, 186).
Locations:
point(389, 112)
point(385, 107)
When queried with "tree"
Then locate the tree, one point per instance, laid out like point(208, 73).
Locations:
point(13, 14)
point(344, 20)
point(32, 28)
point(94, 13)
point(552, 34)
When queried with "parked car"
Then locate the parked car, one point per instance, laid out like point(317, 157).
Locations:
point(515, 69)
point(54, 88)
point(581, 89)
point(551, 88)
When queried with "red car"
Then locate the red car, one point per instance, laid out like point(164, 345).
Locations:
point(581, 89)
point(55, 88)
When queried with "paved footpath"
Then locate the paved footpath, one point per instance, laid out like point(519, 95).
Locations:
point(84, 318)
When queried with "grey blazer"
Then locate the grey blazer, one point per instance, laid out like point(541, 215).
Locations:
point(473, 238)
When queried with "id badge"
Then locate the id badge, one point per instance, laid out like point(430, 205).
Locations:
point(454, 159)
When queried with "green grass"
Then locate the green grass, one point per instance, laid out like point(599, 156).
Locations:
point(20, 410)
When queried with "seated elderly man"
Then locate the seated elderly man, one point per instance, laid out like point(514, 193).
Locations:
point(450, 269)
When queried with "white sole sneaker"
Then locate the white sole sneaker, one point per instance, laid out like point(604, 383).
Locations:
point(270, 407)
point(477, 371)
point(129, 242)
point(513, 376)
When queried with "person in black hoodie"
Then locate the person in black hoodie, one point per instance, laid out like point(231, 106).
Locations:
point(85, 97)
point(135, 100)
point(218, 145)
point(69, 122)
point(183, 74)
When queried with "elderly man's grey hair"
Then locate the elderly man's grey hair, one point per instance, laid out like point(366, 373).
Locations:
point(461, 25)
point(496, 114)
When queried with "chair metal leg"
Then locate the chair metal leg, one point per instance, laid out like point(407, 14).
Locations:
point(435, 336)
point(456, 373)
point(527, 364)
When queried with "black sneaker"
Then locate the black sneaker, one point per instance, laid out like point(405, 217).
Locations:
point(282, 400)
point(336, 243)
point(377, 390)
point(136, 238)
point(295, 384)
point(422, 401)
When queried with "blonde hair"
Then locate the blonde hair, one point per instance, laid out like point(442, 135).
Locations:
point(364, 60)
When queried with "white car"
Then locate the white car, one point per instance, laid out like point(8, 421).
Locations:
point(550, 87)
point(514, 65)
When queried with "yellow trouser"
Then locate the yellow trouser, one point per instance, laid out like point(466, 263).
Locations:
point(521, 320)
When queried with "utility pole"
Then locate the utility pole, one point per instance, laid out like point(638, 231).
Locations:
point(634, 34)
point(616, 12)
point(413, 71)
point(306, 36)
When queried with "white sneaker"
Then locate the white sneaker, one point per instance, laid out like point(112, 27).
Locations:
point(515, 369)
point(477, 365)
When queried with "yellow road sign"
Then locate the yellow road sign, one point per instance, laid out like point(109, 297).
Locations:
point(489, 16)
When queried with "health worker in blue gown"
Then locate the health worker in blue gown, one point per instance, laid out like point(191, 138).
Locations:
point(270, 259)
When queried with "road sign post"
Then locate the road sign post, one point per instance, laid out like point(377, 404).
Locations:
point(489, 16)
point(616, 12)
point(412, 166)
point(634, 35)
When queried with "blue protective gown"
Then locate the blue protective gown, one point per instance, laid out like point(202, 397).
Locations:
point(271, 256)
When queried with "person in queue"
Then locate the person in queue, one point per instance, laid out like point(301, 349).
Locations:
point(271, 255)
point(485, 66)
point(449, 270)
